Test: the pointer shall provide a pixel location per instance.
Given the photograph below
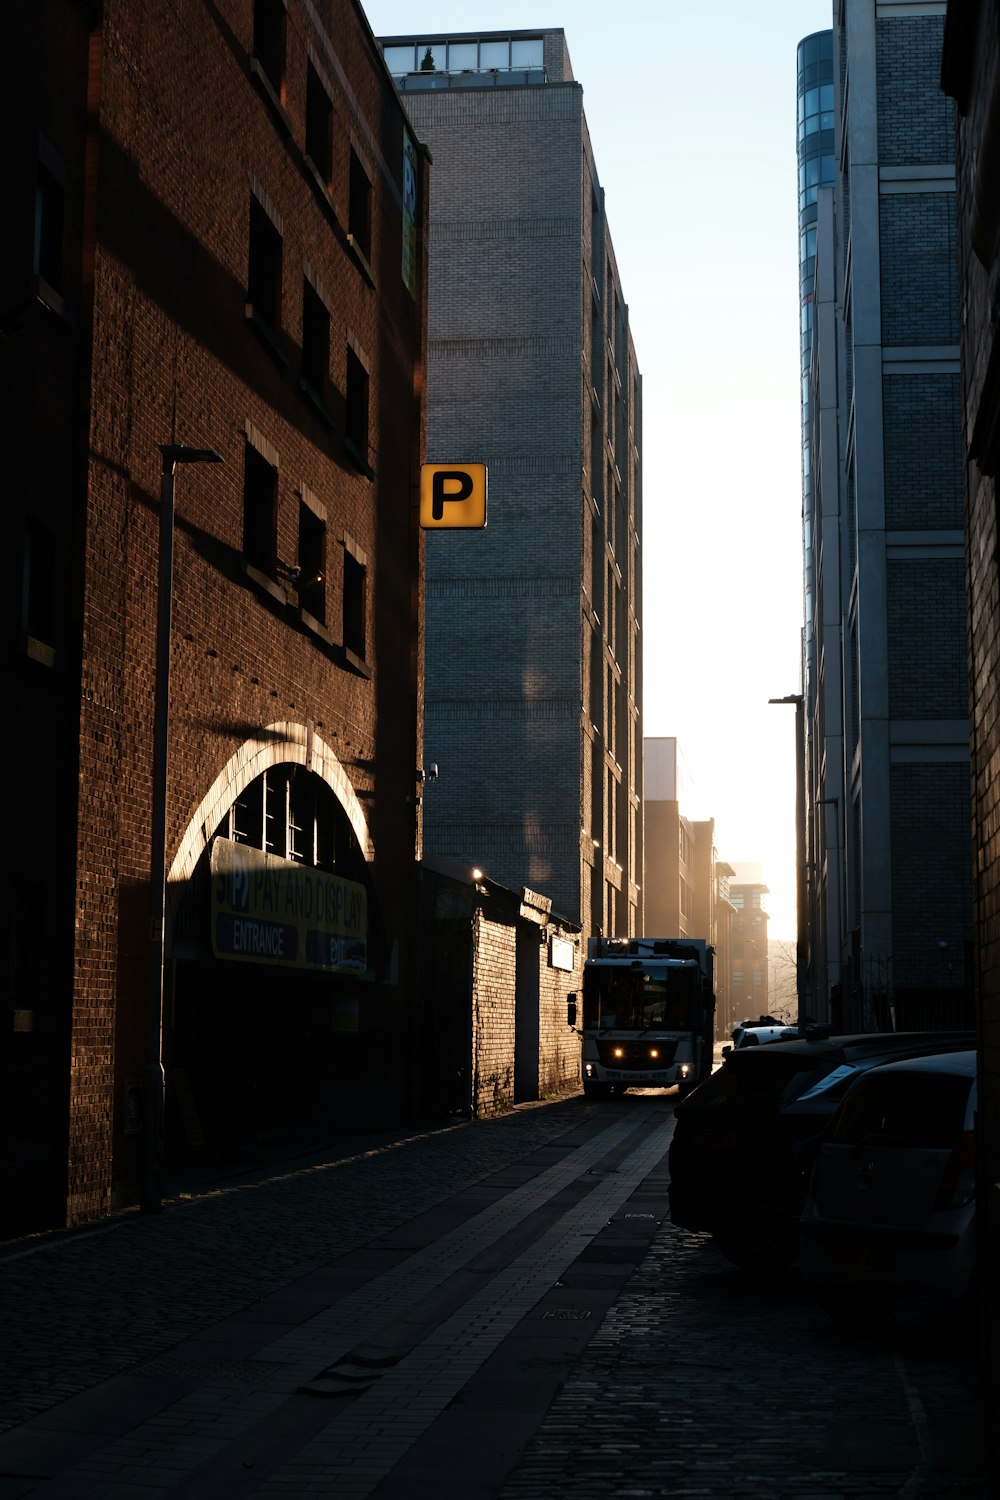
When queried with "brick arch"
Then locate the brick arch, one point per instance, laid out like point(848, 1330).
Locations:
point(280, 744)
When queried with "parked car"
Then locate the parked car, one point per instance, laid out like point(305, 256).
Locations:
point(891, 1206)
point(744, 1140)
point(759, 1033)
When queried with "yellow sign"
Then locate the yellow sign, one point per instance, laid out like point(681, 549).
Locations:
point(452, 496)
point(267, 910)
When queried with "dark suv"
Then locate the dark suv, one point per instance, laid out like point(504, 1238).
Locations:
point(745, 1139)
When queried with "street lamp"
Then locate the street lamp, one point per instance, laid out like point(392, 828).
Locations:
point(150, 1200)
point(798, 702)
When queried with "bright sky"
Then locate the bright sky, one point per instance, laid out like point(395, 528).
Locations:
point(691, 110)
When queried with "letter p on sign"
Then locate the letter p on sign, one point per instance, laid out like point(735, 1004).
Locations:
point(452, 496)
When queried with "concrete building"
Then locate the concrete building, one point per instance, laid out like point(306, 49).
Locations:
point(887, 757)
point(214, 237)
point(971, 76)
point(533, 676)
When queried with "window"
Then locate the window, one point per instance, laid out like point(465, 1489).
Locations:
point(276, 831)
point(359, 215)
point(38, 591)
point(355, 600)
point(356, 438)
point(269, 23)
point(494, 55)
point(462, 57)
point(264, 275)
point(319, 126)
point(315, 342)
point(260, 510)
point(527, 54)
point(293, 814)
point(398, 60)
point(312, 562)
point(50, 214)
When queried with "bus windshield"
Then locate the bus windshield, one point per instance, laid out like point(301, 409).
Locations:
point(628, 999)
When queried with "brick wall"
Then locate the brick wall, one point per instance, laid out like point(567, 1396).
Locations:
point(916, 121)
point(559, 1045)
point(925, 616)
point(917, 244)
point(972, 73)
point(932, 896)
point(922, 423)
point(185, 138)
point(524, 299)
point(494, 966)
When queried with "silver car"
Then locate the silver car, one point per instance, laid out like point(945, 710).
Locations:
point(890, 1212)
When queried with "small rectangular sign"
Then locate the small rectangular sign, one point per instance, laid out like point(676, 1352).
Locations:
point(453, 496)
point(562, 954)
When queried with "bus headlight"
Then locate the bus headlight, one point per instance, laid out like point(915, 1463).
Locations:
point(619, 1052)
point(654, 1052)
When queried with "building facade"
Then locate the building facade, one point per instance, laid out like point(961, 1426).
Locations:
point(750, 970)
point(214, 250)
point(686, 887)
point(821, 672)
point(971, 76)
point(887, 739)
point(533, 676)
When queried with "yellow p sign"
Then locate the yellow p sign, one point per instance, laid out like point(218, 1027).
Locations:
point(452, 496)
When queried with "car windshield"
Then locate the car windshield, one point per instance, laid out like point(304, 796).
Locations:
point(908, 1109)
point(761, 1079)
point(629, 999)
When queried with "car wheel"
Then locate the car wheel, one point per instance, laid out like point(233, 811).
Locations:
point(594, 1090)
point(757, 1250)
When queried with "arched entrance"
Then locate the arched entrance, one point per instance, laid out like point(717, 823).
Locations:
point(275, 943)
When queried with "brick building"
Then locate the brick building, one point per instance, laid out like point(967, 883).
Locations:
point(493, 990)
point(887, 745)
point(213, 237)
point(686, 886)
point(533, 682)
point(749, 952)
point(971, 76)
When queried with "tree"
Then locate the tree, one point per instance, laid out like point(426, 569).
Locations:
point(427, 62)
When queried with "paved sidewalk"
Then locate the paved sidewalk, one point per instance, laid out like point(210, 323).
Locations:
point(81, 1307)
point(498, 1311)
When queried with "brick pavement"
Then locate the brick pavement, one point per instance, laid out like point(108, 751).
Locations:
point(493, 1310)
point(82, 1307)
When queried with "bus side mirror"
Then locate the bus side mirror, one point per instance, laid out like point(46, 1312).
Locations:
point(570, 1010)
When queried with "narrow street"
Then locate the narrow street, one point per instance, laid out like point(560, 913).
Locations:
point(490, 1310)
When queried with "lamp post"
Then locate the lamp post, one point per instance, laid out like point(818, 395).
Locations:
point(797, 700)
point(150, 1199)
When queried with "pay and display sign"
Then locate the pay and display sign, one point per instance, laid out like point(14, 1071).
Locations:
point(267, 910)
point(452, 496)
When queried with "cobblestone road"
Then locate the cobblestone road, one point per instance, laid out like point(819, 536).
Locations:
point(490, 1310)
